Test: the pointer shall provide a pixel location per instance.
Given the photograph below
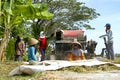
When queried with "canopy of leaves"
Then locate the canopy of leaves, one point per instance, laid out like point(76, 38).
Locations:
point(68, 14)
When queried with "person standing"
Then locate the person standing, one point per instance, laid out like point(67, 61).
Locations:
point(43, 45)
point(91, 46)
point(109, 41)
point(32, 49)
point(19, 49)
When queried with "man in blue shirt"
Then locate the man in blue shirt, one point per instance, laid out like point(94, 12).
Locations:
point(109, 41)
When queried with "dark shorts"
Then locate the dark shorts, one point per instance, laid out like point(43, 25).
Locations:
point(18, 58)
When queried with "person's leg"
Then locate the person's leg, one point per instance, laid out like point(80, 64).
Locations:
point(108, 51)
point(112, 57)
point(102, 53)
point(15, 57)
point(19, 58)
point(42, 54)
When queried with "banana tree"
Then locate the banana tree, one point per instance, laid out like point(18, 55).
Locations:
point(12, 12)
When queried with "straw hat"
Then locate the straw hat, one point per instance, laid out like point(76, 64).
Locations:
point(32, 41)
point(76, 42)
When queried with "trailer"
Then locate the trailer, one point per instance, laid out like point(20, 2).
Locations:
point(64, 39)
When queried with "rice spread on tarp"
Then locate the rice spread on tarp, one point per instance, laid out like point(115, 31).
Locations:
point(54, 65)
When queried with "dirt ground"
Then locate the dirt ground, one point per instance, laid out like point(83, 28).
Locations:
point(67, 75)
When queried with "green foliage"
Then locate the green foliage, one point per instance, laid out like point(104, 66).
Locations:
point(14, 13)
point(32, 11)
point(7, 8)
point(25, 57)
point(18, 31)
point(1, 32)
point(10, 50)
point(68, 14)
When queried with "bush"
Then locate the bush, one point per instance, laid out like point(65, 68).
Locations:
point(10, 50)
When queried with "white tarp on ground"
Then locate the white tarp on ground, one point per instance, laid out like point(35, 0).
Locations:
point(54, 65)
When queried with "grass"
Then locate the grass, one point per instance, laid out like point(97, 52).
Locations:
point(117, 60)
point(8, 66)
point(86, 69)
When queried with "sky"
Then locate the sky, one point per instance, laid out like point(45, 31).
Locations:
point(109, 13)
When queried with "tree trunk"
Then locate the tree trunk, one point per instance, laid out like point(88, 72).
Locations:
point(3, 45)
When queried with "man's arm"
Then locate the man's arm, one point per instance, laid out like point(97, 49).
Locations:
point(103, 35)
point(50, 36)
